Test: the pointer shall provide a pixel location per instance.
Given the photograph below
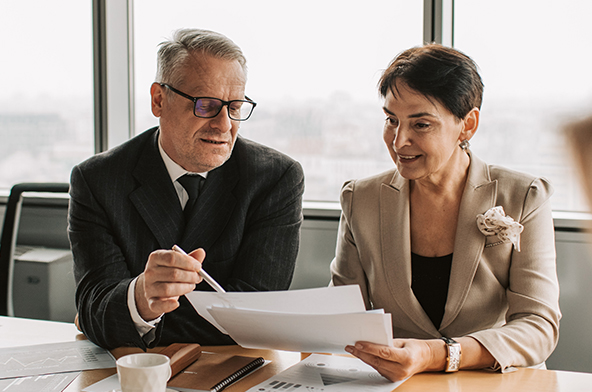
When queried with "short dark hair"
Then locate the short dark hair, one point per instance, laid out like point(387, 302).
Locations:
point(437, 71)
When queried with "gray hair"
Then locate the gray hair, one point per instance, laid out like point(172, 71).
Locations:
point(173, 53)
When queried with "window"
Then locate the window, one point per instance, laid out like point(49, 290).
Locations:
point(46, 108)
point(313, 69)
point(535, 62)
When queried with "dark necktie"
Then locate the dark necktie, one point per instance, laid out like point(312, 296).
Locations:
point(192, 184)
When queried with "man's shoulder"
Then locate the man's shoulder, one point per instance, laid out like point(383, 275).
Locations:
point(259, 156)
point(121, 155)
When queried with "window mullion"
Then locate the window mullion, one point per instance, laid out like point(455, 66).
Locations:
point(439, 21)
point(113, 72)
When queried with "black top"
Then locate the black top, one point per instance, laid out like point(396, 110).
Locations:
point(430, 278)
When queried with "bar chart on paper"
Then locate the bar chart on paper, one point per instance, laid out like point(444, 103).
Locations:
point(327, 373)
point(53, 358)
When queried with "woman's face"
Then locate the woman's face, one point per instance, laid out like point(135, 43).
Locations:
point(423, 136)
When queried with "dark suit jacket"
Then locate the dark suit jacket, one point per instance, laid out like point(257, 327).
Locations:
point(123, 206)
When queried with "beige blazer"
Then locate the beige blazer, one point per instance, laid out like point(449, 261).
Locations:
point(507, 300)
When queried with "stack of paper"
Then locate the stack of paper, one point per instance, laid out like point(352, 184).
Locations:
point(314, 320)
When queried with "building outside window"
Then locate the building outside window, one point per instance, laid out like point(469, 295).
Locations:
point(535, 64)
point(313, 69)
point(46, 106)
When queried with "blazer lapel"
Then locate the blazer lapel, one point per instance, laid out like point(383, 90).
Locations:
point(396, 250)
point(155, 198)
point(479, 195)
point(214, 206)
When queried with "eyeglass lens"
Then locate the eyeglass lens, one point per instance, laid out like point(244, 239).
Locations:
point(210, 107)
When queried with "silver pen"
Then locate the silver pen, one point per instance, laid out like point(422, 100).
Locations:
point(215, 285)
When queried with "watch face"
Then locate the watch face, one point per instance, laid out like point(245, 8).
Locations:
point(453, 357)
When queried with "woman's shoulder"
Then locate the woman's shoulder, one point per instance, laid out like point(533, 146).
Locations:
point(513, 179)
point(364, 192)
point(370, 183)
point(516, 188)
point(507, 178)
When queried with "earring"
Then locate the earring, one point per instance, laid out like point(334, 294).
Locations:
point(464, 145)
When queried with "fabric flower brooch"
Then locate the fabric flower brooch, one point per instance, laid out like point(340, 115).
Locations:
point(496, 222)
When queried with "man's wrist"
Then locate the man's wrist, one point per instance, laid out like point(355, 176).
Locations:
point(142, 326)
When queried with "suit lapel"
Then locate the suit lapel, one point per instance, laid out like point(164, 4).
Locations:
point(396, 250)
point(155, 198)
point(215, 205)
point(479, 196)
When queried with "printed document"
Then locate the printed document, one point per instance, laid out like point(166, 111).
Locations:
point(328, 373)
point(313, 320)
point(53, 358)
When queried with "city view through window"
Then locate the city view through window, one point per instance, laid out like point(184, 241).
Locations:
point(46, 106)
point(314, 78)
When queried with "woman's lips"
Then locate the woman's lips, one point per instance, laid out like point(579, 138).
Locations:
point(408, 158)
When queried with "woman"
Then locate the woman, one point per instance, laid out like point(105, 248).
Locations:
point(451, 247)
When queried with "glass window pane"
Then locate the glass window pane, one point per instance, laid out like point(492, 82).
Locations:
point(535, 62)
point(46, 107)
point(313, 68)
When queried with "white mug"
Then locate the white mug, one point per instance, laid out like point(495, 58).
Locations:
point(143, 372)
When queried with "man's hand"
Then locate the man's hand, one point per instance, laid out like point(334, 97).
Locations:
point(167, 276)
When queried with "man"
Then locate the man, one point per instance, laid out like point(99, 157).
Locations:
point(131, 204)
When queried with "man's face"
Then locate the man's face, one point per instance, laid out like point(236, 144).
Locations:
point(199, 144)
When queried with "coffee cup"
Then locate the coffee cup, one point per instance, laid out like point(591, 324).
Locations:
point(144, 372)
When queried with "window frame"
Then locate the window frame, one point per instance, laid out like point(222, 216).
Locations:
point(113, 72)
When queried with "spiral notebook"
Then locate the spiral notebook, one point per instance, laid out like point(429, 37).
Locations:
point(214, 372)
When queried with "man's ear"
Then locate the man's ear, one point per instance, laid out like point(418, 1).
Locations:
point(471, 123)
point(157, 98)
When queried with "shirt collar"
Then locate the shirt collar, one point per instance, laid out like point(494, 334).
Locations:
point(174, 169)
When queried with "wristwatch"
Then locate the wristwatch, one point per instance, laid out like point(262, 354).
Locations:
point(453, 358)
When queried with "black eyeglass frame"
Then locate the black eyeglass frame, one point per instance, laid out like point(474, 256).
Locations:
point(224, 103)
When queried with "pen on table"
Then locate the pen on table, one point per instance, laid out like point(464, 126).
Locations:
point(215, 285)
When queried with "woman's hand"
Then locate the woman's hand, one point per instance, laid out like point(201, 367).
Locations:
point(406, 358)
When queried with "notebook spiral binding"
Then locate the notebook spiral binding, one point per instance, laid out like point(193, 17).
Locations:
point(238, 374)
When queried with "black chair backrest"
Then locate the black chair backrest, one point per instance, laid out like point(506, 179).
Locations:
point(10, 231)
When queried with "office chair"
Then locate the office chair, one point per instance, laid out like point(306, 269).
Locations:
point(9, 234)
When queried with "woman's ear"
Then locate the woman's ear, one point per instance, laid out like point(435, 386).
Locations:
point(471, 123)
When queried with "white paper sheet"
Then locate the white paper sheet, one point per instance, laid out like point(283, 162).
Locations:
point(314, 320)
point(324, 300)
point(325, 333)
point(46, 383)
point(53, 358)
point(327, 373)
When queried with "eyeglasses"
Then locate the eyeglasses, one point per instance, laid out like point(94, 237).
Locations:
point(206, 107)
